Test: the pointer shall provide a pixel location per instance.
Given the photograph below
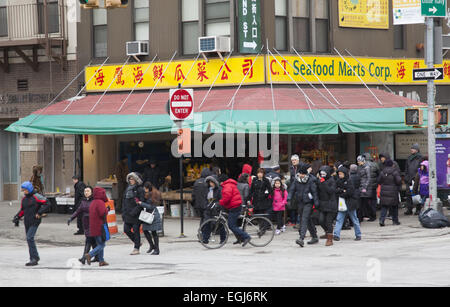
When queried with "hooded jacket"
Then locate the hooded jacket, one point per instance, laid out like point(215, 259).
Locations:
point(305, 191)
point(327, 191)
point(83, 211)
point(200, 190)
point(247, 169)
point(422, 180)
point(244, 189)
point(390, 182)
point(97, 212)
point(346, 189)
point(412, 165)
point(231, 198)
point(131, 209)
point(217, 191)
point(32, 204)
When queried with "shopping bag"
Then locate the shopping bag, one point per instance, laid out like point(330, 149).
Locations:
point(342, 205)
point(105, 233)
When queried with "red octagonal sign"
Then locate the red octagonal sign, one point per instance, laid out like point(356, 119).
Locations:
point(181, 104)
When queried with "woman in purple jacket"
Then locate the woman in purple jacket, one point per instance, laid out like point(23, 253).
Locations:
point(83, 211)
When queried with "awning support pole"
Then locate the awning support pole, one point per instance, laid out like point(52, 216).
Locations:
point(137, 83)
point(215, 80)
point(156, 84)
point(358, 77)
point(242, 82)
point(308, 100)
point(115, 77)
point(79, 92)
point(56, 97)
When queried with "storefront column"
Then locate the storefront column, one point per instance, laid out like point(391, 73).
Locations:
point(351, 147)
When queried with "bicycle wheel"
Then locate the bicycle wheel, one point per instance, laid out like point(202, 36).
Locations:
point(213, 233)
point(260, 229)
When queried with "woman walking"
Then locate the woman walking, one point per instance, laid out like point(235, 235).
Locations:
point(152, 199)
point(83, 212)
point(134, 193)
point(279, 204)
point(390, 182)
point(328, 205)
point(97, 218)
point(260, 192)
point(32, 208)
point(347, 188)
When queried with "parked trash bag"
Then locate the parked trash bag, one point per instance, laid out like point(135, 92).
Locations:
point(431, 218)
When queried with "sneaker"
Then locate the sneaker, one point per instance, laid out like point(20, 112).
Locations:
point(283, 229)
point(32, 263)
point(300, 242)
point(246, 241)
point(103, 263)
point(277, 232)
point(313, 241)
point(135, 252)
point(358, 239)
point(336, 238)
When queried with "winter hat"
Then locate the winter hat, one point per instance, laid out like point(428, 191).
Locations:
point(27, 186)
point(276, 168)
point(416, 147)
point(353, 168)
point(361, 159)
point(389, 163)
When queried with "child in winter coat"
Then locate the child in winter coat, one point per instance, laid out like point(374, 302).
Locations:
point(421, 185)
point(279, 204)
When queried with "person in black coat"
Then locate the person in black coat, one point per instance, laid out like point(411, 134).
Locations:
point(347, 190)
point(390, 182)
point(152, 174)
point(32, 207)
point(305, 189)
point(199, 193)
point(79, 187)
point(260, 192)
point(328, 205)
point(134, 193)
point(411, 168)
point(368, 172)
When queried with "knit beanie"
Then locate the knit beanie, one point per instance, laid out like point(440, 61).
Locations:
point(27, 186)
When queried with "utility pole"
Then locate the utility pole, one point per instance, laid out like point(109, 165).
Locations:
point(431, 92)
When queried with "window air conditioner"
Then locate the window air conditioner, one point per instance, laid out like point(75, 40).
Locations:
point(137, 48)
point(214, 44)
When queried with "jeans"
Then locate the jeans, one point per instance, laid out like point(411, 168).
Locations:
point(31, 232)
point(340, 222)
point(134, 236)
point(233, 215)
point(306, 223)
point(99, 249)
point(392, 209)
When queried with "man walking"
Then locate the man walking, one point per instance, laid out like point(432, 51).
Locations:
point(411, 169)
point(79, 187)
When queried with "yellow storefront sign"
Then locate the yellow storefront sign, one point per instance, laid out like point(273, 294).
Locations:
point(203, 74)
point(277, 69)
point(373, 14)
point(334, 70)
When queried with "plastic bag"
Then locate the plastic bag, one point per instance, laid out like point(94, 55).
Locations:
point(431, 218)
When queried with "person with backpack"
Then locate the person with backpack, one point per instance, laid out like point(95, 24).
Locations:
point(390, 182)
point(150, 204)
point(83, 213)
point(231, 200)
point(33, 206)
point(279, 204)
point(347, 189)
point(134, 193)
point(328, 205)
point(97, 220)
point(305, 190)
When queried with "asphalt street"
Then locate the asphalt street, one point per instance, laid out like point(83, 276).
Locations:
point(405, 255)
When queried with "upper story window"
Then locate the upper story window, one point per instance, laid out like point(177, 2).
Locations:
point(100, 21)
point(217, 17)
point(322, 25)
point(52, 16)
point(281, 24)
point(190, 16)
point(141, 20)
point(3, 19)
point(301, 24)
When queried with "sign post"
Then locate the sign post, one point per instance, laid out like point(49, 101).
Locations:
point(181, 107)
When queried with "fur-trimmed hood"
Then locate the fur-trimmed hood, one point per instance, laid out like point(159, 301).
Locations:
point(135, 177)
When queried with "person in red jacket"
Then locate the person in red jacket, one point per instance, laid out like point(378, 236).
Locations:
point(231, 200)
point(97, 217)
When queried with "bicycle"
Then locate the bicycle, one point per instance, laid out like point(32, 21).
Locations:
point(214, 232)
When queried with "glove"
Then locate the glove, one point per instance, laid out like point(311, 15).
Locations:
point(16, 220)
point(68, 222)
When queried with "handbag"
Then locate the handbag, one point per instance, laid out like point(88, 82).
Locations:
point(342, 205)
point(105, 233)
point(146, 217)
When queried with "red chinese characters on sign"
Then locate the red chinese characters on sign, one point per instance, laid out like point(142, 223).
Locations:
point(246, 67)
point(401, 70)
point(224, 72)
point(179, 73)
point(158, 72)
point(138, 75)
point(416, 65)
point(201, 75)
point(99, 78)
point(447, 70)
point(118, 75)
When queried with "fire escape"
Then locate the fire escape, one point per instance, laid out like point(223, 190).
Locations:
point(27, 28)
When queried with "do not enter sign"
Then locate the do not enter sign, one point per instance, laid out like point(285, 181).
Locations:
point(181, 104)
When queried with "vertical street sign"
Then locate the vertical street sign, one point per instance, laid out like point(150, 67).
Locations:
point(434, 8)
point(249, 26)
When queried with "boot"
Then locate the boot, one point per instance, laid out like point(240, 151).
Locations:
point(329, 239)
point(313, 241)
point(103, 263)
point(87, 248)
point(156, 250)
point(300, 242)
